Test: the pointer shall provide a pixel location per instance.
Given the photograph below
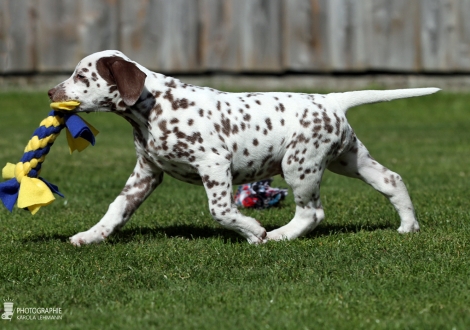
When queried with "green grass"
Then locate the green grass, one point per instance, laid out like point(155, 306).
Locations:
point(173, 267)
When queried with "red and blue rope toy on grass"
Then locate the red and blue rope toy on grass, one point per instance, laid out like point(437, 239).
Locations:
point(24, 186)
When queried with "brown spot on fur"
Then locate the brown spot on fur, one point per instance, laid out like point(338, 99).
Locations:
point(226, 126)
point(268, 122)
point(171, 84)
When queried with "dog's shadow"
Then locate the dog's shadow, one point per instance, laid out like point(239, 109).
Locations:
point(190, 232)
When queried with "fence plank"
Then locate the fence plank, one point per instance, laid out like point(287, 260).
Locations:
point(241, 35)
point(260, 23)
point(462, 51)
point(392, 34)
point(17, 42)
point(439, 35)
point(58, 39)
point(219, 38)
point(161, 34)
point(99, 26)
point(347, 35)
point(305, 46)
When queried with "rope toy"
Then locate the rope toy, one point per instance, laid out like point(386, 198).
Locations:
point(24, 186)
point(259, 195)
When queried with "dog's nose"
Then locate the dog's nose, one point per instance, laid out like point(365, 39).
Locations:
point(51, 93)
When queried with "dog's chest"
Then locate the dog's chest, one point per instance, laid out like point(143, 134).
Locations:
point(169, 152)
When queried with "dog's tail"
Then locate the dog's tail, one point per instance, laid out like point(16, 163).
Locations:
point(351, 99)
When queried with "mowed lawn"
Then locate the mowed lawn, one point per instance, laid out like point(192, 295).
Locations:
point(173, 267)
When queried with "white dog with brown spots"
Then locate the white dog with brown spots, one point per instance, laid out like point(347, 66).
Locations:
point(203, 136)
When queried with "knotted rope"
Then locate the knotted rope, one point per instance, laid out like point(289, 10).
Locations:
point(24, 186)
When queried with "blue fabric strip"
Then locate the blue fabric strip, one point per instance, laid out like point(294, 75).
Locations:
point(78, 128)
point(9, 193)
point(27, 156)
point(52, 187)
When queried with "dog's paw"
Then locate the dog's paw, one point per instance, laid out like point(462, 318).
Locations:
point(252, 239)
point(87, 237)
point(409, 228)
point(276, 235)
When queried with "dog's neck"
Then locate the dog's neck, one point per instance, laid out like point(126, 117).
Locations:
point(146, 109)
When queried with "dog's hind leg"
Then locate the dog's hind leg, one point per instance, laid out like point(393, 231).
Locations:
point(143, 180)
point(358, 163)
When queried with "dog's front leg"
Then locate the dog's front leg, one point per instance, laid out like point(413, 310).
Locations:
point(143, 180)
point(218, 184)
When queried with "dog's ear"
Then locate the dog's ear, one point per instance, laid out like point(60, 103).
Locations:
point(128, 78)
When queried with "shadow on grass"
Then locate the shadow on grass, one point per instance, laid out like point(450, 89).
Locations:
point(191, 232)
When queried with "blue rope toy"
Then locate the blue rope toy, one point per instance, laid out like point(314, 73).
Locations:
point(23, 185)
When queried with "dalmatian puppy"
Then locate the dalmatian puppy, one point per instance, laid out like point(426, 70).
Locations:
point(204, 136)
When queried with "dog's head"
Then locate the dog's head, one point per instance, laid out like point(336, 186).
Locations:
point(104, 81)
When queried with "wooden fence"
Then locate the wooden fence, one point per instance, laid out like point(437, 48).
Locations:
point(270, 36)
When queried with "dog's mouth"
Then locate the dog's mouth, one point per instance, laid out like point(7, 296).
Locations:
point(73, 106)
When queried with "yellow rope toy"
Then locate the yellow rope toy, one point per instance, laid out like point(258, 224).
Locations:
point(24, 186)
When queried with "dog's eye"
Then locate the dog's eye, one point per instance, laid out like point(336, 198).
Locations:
point(80, 76)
